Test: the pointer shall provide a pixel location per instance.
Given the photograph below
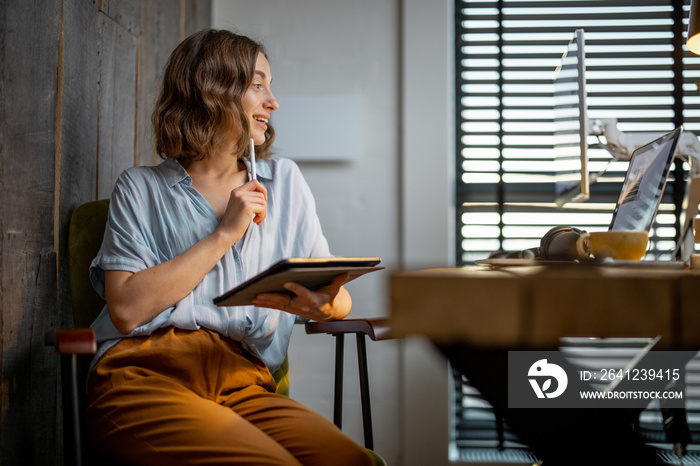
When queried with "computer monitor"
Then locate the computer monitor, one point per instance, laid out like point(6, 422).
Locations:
point(571, 182)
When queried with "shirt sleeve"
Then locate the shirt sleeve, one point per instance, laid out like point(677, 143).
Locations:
point(128, 243)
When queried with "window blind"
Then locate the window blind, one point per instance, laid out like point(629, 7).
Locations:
point(506, 52)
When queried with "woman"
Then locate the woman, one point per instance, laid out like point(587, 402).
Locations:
point(176, 379)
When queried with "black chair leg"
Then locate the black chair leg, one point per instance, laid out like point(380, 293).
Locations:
point(364, 391)
point(71, 415)
point(338, 389)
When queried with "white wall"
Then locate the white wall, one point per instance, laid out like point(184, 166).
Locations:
point(393, 200)
point(428, 219)
point(320, 47)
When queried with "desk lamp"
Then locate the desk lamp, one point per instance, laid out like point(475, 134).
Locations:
point(693, 42)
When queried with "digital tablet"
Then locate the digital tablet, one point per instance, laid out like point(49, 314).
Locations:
point(313, 273)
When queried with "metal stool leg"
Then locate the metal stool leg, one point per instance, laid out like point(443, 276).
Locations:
point(364, 391)
point(338, 389)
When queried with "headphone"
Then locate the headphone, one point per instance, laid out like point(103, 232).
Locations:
point(558, 244)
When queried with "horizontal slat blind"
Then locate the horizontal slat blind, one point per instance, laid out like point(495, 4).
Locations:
point(506, 53)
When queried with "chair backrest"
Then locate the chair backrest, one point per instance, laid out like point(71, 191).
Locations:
point(85, 233)
point(87, 227)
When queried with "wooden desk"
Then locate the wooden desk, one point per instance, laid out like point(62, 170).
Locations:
point(532, 307)
point(475, 315)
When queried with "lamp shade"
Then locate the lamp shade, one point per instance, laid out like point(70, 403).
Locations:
point(694, 27)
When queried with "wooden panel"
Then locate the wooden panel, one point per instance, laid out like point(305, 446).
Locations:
point(28, 96)
point(116, 103)
point(126, 13)
point(50, 86)
point(77, 151)
point(160, 34)
point(197, 16)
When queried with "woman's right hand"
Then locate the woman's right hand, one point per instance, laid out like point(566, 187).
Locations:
point(249, 199)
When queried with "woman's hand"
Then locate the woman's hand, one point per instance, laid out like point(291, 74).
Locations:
point(330, 302)
point(249, 199)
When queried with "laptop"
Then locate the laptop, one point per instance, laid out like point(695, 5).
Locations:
point(639, 197)
point(644, 184)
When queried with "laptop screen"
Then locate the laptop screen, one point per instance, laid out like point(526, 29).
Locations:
point(644, 184)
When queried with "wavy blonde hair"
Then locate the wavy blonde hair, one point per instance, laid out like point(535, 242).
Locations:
point(199, 106)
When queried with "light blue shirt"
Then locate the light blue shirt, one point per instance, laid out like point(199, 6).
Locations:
point(155, 214)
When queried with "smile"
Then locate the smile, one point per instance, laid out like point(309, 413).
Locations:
point(264, 120)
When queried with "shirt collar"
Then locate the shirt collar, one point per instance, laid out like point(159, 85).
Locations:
point(262, 168)
point(174, 172)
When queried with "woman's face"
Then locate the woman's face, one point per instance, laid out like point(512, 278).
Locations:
point(259, 101)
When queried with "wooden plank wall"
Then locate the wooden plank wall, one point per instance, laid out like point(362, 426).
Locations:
point(77, 84)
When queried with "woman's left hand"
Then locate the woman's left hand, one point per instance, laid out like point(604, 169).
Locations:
point(330, 302)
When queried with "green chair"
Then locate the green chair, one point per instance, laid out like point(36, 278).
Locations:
point(76, 346)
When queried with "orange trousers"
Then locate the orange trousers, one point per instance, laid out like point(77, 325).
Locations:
point(197, 398)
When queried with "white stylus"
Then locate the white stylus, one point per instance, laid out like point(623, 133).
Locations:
point(252, 160)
